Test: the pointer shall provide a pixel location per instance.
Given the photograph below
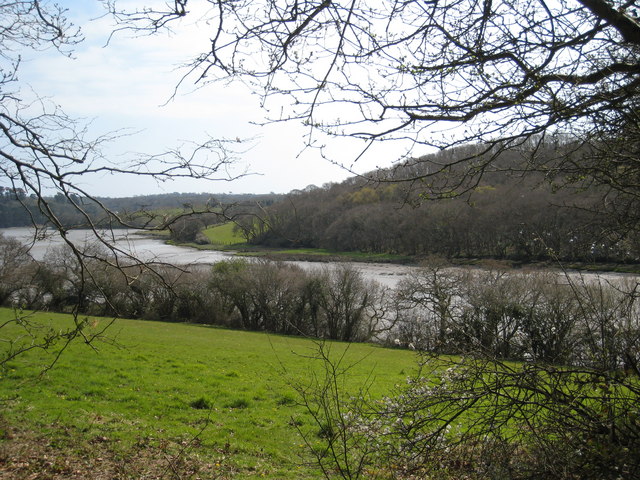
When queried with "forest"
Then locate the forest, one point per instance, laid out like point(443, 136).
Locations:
point(504, 215)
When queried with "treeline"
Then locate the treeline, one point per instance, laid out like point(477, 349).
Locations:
point(18, 209)
point(186, 200)
point(261, 296)
point(503, 216)
point(543, 317)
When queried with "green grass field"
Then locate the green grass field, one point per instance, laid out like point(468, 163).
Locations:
point(223, 235)
point(159, 384)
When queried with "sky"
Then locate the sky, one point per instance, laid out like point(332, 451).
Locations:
point(127, 86)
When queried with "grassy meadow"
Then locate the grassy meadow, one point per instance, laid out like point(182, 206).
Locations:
point(222, 399)
point(223, 235)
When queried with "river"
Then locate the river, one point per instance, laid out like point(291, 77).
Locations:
point(151, 249)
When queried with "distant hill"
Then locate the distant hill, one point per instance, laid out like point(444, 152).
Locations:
point(17, 209)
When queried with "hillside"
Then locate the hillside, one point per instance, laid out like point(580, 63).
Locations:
point(498, 214)
point(157, 396)
point(399, 212)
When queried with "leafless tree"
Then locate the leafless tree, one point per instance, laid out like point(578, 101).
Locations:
point(558, 79)
point(568, 411)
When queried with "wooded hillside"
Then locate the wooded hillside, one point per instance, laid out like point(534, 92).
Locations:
point(502, 215)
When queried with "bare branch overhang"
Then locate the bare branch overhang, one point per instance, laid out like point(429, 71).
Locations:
point(627, 25)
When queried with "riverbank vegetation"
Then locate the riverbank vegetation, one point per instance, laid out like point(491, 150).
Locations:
point(552, 317)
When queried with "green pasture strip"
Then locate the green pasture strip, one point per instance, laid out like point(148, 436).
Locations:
point(223, 234)
point(155, 381)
